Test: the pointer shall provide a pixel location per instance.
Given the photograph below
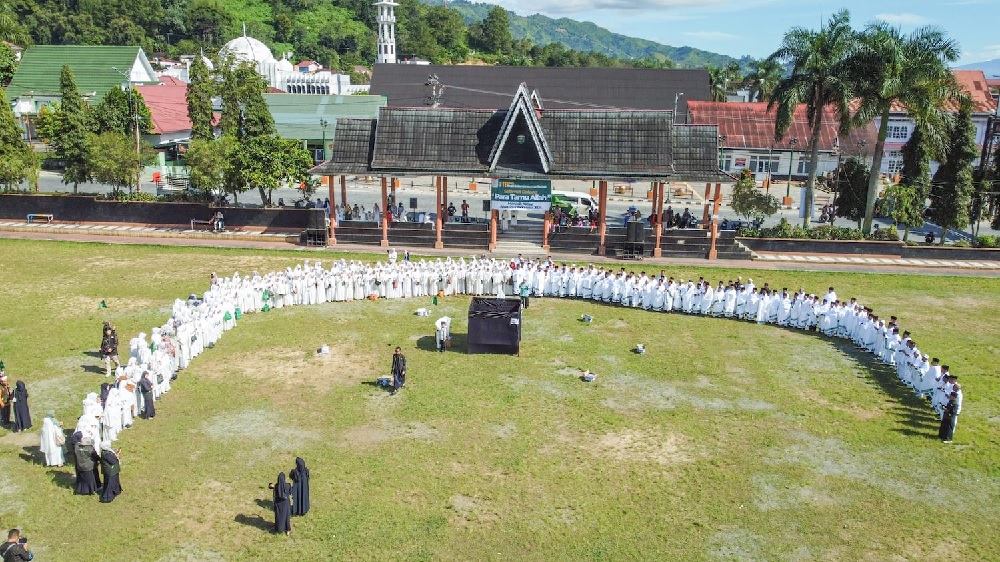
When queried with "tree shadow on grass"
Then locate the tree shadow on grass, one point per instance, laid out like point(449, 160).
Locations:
point(94, 369)
point(255, 521)
point(63, 479)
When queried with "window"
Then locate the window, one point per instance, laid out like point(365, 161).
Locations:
point(897, 132)
point(725, 162)
point(803, 167)
point(893, 162)
point(763, 163)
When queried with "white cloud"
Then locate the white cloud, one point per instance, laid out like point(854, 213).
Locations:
point(904, 18)
point(711, 35)
point(568, 7)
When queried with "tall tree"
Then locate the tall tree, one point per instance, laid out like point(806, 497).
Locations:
point(114, 160)
point(951, 190)
point(11, 28)
point(909, 71)
point(852, 184)
point(909, 202)
point(8, 64)
point(207, 20)
point(119, 112)
point(244, 112)
point(763, 78)
point(71, 140)
point(496, 31)
point(199, 100)
point(822, 68)
point(17, 158)
point(749, 201)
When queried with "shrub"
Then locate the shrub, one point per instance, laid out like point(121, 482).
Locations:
point(962, 244)
point(987, 241)
point(124, 197)
point(884, 234)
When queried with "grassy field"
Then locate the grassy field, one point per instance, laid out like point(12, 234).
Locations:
point(726, 441)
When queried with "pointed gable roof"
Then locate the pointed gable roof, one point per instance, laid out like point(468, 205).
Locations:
point(93, 68)
point(522, 106)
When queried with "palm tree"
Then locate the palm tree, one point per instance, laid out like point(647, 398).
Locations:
point(908, 71)
point(763, 78)
point(720, 78)
point(821, 78)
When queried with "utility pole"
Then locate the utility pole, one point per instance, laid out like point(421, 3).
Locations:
point(323, 124)
point(791, 159)
point(134, 110)
point(677, 98)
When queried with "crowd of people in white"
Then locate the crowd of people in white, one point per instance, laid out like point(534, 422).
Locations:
point(198, 322)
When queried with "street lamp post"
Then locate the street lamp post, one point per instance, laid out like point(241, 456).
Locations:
point(677, 97)
point(133, 107)
point(791, 160)
point(323, 124)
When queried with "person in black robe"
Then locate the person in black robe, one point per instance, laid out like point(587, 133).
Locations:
point(300, 487)
point(111, 467)
point(146, 387)
point(105, 390)
point(87, 481)
point(22, 417)
point(282, 509)
point(947, 429)
point(71, 444)
point(398, 370)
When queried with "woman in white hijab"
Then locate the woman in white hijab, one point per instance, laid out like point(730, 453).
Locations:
point(112, 414)
point(53, 439)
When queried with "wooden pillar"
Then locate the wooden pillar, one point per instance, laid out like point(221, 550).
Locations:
point(437, 222)
point(655, 191)
point(546, 223)
point(708, 202)
point(494, 223)
point(444, 194)
point(329, 187)
point(713, 253)
point(385, 215)
point(658, 210)
point(343, 191)
point(602, 214)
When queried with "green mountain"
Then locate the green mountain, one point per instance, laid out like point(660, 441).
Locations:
point(586, 36)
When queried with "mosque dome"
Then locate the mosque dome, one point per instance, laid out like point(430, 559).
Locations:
point(247, 49)
point(285, 66)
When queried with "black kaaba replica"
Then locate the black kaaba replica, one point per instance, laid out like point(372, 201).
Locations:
point(494, 325)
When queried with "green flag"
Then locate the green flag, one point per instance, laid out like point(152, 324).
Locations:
point(227, 317)
point(434, 300)
point(2, 366)
point(102, 305)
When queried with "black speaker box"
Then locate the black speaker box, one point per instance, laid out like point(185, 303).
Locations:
point(486, 205)
point(317, 219)
point(413, 202)
point(317, 237)
point(636, 232)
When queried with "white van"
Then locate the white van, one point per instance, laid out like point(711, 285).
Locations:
point(583, 202)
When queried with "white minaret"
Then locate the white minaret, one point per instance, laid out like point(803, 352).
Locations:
point(386, 19)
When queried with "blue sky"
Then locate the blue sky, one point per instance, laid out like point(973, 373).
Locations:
point(755, 27)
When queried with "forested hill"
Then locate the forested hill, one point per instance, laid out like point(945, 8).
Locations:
point(337, 33)
point(589, 37)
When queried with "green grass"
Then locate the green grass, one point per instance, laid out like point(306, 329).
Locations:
point(726, 440)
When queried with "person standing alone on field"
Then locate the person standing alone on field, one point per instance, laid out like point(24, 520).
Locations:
point(398, 370)
point(109, 350)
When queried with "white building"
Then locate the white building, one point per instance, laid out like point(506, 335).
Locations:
point(386, 20)
point(901, 126)
point(282, 75)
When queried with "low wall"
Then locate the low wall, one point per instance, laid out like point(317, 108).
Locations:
point(807, 246)
point(84, 209)
point(408, 234)
point(950, 253)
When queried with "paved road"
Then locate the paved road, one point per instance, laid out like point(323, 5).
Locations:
point(368, 194)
